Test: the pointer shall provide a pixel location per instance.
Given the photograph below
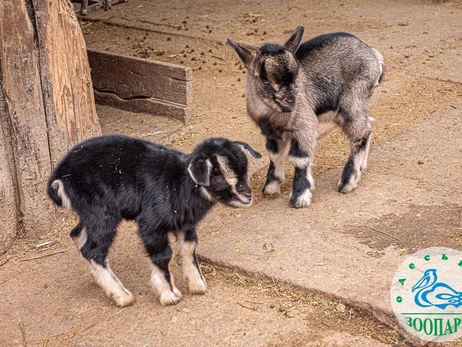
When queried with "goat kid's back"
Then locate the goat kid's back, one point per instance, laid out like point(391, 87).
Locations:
point(110, 178)
point(292, 87)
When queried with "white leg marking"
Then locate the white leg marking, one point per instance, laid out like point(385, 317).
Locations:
point(303, 200)
point(81, 239)
point(196, 282)
point(273, 188)
point(310, 177)
point(278, 161)
point(365, 154)
point(111, 285)
point(166, 295)
point(354, 179)
point(299, 162)
point(58, 186)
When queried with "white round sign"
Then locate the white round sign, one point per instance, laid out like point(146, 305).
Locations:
point(426, 294)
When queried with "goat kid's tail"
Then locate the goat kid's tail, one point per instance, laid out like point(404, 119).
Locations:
point(380, 59)
point(57, 193)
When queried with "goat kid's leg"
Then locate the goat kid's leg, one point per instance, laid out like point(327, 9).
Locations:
point(162, 280)
point(159, 251)
point(365, 152)
point(277, 150)
point(357, 160)
point(300, 155)
point(191, 270)
point(95, 250)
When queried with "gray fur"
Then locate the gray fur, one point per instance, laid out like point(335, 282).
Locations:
point(291, 88)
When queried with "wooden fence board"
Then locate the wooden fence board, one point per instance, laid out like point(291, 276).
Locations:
point(141, 85)
point(151, 106)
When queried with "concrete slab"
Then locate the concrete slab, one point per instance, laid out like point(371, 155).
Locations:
point(441, 63)
point(430, 152)
point(322, 248)
point(228, 315)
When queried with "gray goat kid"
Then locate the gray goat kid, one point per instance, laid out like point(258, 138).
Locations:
point(291, 88)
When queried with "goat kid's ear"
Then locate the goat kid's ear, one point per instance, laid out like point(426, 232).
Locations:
point(294, 41)
point(248, 150)
point(199, 169)
point(243, 53)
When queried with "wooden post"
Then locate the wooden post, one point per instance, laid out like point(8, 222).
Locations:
point(46, 106)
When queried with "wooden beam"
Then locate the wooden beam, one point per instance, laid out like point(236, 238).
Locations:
point(46, 106)
point(141, 85)
point(150, 106)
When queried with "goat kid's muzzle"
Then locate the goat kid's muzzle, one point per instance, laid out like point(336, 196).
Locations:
point(285, 105)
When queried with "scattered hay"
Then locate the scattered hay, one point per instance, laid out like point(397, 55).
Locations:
point(312, 307)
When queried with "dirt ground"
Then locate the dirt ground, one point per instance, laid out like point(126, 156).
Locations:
point(47, 295)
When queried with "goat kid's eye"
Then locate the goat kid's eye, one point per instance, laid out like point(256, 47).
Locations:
point(240, 188)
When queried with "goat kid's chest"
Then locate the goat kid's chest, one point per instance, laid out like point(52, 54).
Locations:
point(273, 125)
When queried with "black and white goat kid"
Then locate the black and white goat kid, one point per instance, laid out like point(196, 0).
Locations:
point(110, 178)
point(291, 88)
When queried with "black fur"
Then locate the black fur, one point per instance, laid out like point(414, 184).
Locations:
point(363, 143)
point(328, 96)
point(300, 184)
point(268, 130)
point(270, 176)
point(348, 172)
point(110, 178)
point(76, 231)
point(295, 150)
point(271, 49)
point(272, 146)
point(318, 42)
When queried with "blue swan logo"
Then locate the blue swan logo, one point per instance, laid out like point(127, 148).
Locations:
point(430, 292)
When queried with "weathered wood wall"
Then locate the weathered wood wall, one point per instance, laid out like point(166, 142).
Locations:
point(65, 75)
point(46, 106)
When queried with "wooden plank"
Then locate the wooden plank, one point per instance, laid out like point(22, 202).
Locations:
point(9, 190)
point(151, 106)
point(25, 115)
point(130, 77)
point(66, 83)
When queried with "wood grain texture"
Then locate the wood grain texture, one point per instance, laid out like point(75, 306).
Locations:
point(65, 77)
point(130, 77)
point(9, 191)
point(26, 115)
point(151, 106)
point(46, 106)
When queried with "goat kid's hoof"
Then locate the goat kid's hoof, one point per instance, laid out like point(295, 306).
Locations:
point(123, 299)
point(272, 188)
point(346, 187)
point(198, 287)
point(168, 297)
point(300, 201)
